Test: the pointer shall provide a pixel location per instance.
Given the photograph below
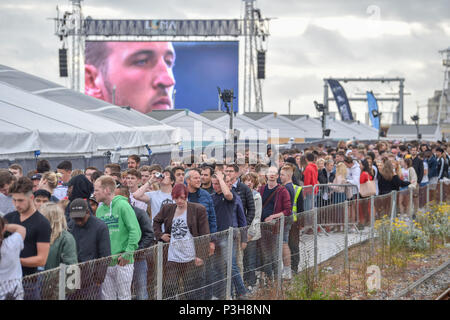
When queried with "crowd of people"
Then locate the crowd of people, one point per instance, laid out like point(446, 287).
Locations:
point(70, 216)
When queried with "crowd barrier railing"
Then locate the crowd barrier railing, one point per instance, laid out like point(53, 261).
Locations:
point(242, 259)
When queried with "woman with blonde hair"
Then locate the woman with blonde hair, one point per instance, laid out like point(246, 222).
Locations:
point(341, 178)
point(49, 182)
point(62, 243)
point(339, 195)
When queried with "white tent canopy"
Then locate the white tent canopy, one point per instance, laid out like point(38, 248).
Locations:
point(30, 122)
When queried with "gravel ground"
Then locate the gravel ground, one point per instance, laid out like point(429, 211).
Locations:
point(428, 290)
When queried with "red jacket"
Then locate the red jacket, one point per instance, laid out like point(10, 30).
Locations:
point(311, 175)
point(282, 200)
point(364, 177)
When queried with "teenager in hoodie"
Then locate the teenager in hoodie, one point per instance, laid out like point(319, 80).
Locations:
point(124, 232)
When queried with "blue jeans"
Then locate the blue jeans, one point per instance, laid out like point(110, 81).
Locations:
point(140, 279)
point(221, 272)
point(308, 203)
point(423, 184)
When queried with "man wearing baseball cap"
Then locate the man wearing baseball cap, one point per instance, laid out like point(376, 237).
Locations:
point(36, 178)
point(91, 234)
point(92, 238)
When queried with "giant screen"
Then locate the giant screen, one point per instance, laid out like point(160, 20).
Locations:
point(162, 75)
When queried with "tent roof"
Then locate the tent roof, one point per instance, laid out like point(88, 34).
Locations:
point(410, 129)
point(57, 93)
point(89, 127)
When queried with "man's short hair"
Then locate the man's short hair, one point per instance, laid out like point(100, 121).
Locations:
point(96, 54)
point(206, 167)
point(42, 166)
point(95, 175)
point(288, 169)
point(174, 169)
point(234, 166)
point(16, 166)
point(145, 168)
point(134, 172)
point(22, 185)
point(6, 177)
point(188, 173)
point(91, 168)
point(115, 167)
point(65, 165)
point(107, 182)
point(135, 157)
point(260, 166)
point(310, 157)
point(156, 167)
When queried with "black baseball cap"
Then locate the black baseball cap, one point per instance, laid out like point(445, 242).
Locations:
point(77, 208)
point(36, 176)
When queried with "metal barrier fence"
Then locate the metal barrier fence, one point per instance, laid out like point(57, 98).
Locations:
point(187, 270)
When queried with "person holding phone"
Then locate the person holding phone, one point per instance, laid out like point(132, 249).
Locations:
point(157, 198)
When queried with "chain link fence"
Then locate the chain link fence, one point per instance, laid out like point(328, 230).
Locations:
point(243, 260)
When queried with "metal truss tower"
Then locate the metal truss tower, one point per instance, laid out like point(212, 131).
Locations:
point(255, 33)
point(71, 24)
point(254, 28)
point(446, 63)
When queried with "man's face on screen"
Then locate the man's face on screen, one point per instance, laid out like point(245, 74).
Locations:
point(142, 73)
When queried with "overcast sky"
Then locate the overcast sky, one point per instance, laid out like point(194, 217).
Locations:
point(309, 40)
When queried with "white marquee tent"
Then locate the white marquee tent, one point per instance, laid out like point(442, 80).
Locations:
point(78, 125)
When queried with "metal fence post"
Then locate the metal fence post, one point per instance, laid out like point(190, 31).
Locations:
point(229, 262)
point(428, 194)
point(441, 193)
point(316, 267)
point(411, 203)
point(62, 282)
point(372, 224)
point(280, 253)
point(346, 235)
point(393, 209)
point(159, 271)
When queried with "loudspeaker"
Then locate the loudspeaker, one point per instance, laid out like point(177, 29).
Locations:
point(63, 63)
point(261, 59)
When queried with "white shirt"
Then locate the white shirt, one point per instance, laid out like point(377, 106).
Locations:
point(156, 200)
point(10, 267)
point(425, 176)
point(181, 248)
point(60, 192)
point(138, 204)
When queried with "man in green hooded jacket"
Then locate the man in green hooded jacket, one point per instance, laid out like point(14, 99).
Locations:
point(124, 232)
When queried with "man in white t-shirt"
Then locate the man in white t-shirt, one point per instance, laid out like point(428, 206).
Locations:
point(159, 197)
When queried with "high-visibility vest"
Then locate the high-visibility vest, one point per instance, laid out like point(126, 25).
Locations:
point(297, 190)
